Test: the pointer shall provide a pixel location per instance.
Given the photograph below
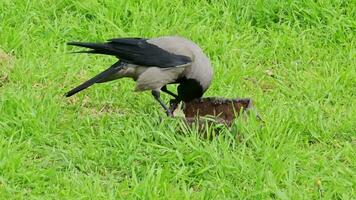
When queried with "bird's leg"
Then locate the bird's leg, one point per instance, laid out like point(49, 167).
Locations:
point(156, 95)
point(173, 104)
point(164, 89)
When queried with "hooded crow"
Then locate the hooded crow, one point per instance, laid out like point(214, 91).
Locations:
point(153, 64)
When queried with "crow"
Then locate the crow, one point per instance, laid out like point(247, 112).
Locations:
point(153, 64)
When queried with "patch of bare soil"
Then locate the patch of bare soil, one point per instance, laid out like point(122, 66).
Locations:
point(6, 65)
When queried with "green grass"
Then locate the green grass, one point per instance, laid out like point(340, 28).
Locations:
point(110, 143)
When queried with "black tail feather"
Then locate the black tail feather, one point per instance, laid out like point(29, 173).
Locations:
point(85, 44)
point(111, 70)
point(135, 51)
point(98, 48)
point(88, 51)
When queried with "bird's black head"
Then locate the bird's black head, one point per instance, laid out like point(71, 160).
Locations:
point(189, 89)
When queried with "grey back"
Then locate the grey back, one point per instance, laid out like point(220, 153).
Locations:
point(200, 69)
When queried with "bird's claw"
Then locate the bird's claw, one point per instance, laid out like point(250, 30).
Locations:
point(169, 113)
point(173, 104)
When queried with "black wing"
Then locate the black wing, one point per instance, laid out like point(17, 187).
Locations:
point(136, 51)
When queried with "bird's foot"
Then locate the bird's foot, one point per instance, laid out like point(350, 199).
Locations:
point(173, 104)
point(169, 113)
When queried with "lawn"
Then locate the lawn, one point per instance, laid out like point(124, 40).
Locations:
point(295, 59)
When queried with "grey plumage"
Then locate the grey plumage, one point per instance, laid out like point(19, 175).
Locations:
point(153, 64)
